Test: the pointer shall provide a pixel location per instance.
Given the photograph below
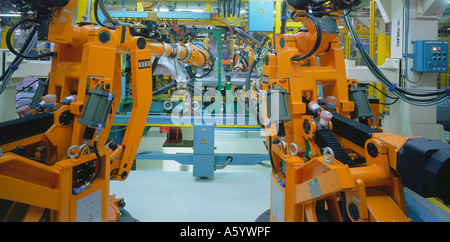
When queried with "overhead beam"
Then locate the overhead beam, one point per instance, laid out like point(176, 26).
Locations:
point(385, 9)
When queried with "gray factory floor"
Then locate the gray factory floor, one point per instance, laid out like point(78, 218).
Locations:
point(176, 196)
point(165, 191)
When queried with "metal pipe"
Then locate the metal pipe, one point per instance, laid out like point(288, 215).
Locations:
point(227, 162)
point(87, 17)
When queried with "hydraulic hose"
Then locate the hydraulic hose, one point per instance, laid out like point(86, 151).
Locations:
point(241, 32)
point(318, 40)
point(33, 32)
point(403, 93)
point(165, 89)
point(247, 89)
point(29, 43)
point(99, 160)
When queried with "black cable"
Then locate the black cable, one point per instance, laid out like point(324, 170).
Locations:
point(271, 158)
point(232, 59)
point(374, 67)
point(425, 100)
point(421, 94)
point(246, 41)
point(31, 35)
point(345, 217)
point(189, 69)
point(243, 33)
point(97, 18)
point(385, 94)
point(244, 59)
point(100, 162)
point(399, 91)
point(12, 68)
point(247, 89)
point(165, 89)
point(205, 74)
point(318, 40)
point(155, 63)
point(239, 9)
point(392, 103)
point(249, 75)
point(224, 10)
point(191, 74)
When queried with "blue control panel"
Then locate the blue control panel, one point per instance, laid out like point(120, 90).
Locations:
point(430, 56)
point(260, 16)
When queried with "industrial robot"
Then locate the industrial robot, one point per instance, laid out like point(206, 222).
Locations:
point(329, 163)
point(55, 164)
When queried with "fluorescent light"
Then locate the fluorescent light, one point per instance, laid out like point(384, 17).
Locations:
point(190, 10)
point(9, 15)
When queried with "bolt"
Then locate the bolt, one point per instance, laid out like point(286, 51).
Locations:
point(122, 203)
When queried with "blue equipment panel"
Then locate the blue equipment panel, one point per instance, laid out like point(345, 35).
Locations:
point(204, 140)
point(430, 56)
point(260, 16)
point(203, 160)
point(203, 166)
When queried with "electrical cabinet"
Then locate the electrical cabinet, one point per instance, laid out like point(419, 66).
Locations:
point(204, 139)
point(261, 16)
point(203, 158)
point(430, 56)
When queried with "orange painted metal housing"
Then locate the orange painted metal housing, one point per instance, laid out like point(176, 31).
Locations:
point(84, 61)
point(305, 186)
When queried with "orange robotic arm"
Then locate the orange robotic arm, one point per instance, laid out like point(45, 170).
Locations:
point(325, 165)
point(141, 51)
point(62, 156)
point(187, 53)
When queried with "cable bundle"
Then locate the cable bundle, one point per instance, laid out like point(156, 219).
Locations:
point(101, 4)
point(20, 56)
point(230, 7)
point(175, 28)
point(413, 96)
point(318, 39)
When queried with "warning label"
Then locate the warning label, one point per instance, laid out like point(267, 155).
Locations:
point(261, 11)
point(203, 141)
